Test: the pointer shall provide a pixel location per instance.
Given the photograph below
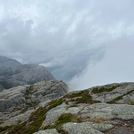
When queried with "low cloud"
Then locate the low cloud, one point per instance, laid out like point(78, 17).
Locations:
point(116, 66)
point(68, 37)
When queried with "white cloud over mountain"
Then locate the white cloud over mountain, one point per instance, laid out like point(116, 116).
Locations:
point(69, 35)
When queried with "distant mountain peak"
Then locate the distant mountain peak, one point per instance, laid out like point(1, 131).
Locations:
point(4, 61)
point(13, 73)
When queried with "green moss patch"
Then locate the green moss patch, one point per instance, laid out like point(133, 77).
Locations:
point(131, 103)
point(73, 95)
point(23, 110)
point(67, 117)
point(1, 122)
point(19, 121)
point(32, 104)
point(30, 90)
point(85, 98)
point(115, 100)
point(81, 97)
point(35, 119)
point(55, 103)
point(119, 98)
point(71, 106)
point(2, 129)
point(96, 90)
point(64, 118)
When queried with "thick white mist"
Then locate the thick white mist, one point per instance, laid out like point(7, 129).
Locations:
point(116, 66)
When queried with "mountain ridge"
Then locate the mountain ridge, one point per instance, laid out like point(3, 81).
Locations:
point(13, 73)
point(4, 61)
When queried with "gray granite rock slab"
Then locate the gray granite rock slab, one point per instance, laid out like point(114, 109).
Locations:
point(48, 131)
point(80, 128)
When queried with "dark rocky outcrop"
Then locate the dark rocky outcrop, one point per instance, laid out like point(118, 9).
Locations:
point(13, 73)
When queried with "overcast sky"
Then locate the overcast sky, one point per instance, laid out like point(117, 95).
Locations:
point(92, 38)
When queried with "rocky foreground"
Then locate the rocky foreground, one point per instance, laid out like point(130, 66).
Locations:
point(107, 109)
point(16, 104)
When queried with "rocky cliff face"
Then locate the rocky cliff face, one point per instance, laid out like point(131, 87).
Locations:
point(105, 109)
point(13, 74)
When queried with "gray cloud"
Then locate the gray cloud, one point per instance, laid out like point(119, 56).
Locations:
point(116, 66)
point(65, 36)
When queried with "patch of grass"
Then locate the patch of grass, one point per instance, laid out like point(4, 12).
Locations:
point(116, 114)
point(73, 95)
point(67, 117)
point(23, 110)
point(96, 120)
point(37, 117)
point(81, 97)
point(85, 98)
point(71, 106)
point(131, 103)
point(19, 121)
point(29, 91)
point(96, 90)
point(29, 104)
point(95, 101)
point(32, 104)
point(66, 102)
point(16, 109)
point(2, 129)
point(16, 128)
point(64, 118)
point(119, 98)
point(1, 122)
point(55, 103)
point(116, 99)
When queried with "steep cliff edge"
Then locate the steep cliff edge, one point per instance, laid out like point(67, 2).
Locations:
point(105, 109)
